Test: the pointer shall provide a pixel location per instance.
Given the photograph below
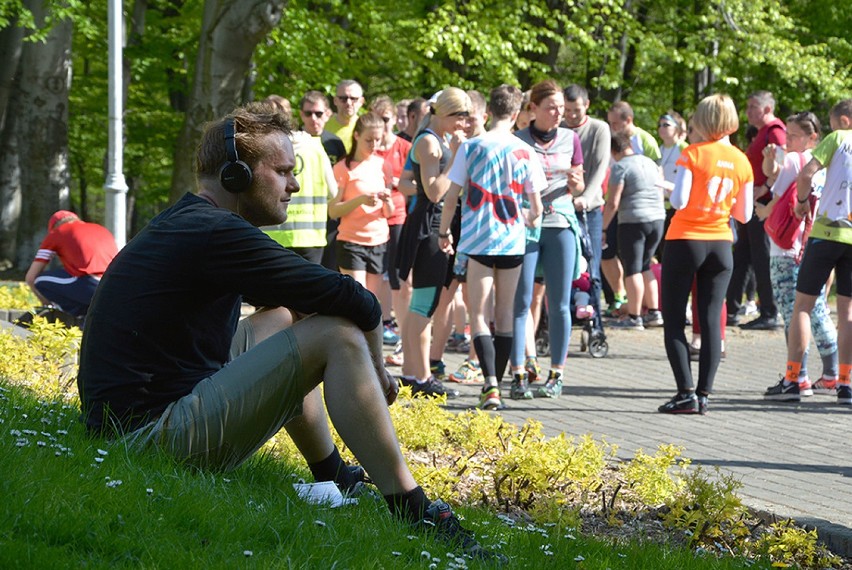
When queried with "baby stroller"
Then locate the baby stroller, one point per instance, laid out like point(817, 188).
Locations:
point(585, 307)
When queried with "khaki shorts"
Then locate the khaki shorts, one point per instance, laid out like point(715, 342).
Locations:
point(230, 415)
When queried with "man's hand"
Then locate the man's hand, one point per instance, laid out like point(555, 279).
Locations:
point(802, 209)
point(446, 244)
point(580, 203)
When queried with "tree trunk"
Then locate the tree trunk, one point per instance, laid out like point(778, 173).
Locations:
point(10, 184)
point(230, 31)
point(40, 107)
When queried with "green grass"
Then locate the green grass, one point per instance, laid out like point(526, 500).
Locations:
point(59, 510)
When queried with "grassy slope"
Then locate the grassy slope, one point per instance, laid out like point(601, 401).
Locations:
point(59, 511)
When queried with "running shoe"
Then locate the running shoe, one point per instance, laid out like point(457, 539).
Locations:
point(783, 391)
point(552, 387)
point(431, 388)
point(681, 404)
point(653, 319)
point(396, 357)
point(825, 386)
point(844, 394)
point(469, 372)
point(390, 335)
point(520, 389)
point(439, 518)
point(489, 399)
point(629, 323)
point(438, 369)
point(532, 368)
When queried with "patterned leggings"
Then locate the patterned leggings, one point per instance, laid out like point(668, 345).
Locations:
point(784, 272)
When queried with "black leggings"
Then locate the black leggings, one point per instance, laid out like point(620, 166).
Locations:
point(710, 263)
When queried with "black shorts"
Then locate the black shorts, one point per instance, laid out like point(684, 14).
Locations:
point(637, 244)
point(356, 257)
point(430, 264)
point(499, 261)
point(390, 256)
point(821, 256)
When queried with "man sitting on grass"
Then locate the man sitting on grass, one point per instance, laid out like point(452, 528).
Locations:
point(167, 363)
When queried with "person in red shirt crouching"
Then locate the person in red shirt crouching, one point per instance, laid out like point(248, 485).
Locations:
point(84, 249)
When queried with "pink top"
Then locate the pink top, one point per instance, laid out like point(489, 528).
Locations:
point(365, 225)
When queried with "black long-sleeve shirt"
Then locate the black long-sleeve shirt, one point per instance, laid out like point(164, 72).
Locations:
point(167, 308)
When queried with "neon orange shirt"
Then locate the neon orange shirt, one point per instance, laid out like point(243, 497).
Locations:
point(719, 173)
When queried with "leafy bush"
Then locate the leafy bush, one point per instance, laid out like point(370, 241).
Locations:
point(17, 296)
point(46, 361)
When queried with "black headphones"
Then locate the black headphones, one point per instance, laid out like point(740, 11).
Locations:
point(234, 175)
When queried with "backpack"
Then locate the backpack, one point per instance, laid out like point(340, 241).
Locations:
point(782, 225)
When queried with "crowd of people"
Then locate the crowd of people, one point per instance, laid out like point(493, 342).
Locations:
point(455, 271)
point(429, 224)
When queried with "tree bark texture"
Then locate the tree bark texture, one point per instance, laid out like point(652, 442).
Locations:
point(231, 29)
point(36, 170)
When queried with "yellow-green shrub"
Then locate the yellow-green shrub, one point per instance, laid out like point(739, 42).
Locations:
point(46, 361)
point(17, 296)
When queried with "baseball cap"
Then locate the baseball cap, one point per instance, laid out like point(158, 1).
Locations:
point(59, 216)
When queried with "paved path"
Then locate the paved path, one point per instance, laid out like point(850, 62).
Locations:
point(792, 458)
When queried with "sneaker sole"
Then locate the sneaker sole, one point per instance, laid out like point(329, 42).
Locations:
point(806, 392)
point(677, 412)
point(524, 396)
point(782, 397)
point(825, 391)
point(844, 401)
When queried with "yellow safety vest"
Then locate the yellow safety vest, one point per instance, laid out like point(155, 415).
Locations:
point(308, 209)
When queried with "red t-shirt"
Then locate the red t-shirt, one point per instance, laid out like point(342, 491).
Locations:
point(394, 162)
point(772, 132)
point(83, 248)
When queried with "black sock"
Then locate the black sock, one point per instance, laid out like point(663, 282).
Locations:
point(332, 468)
point(483, 344)
point(409, 506)
point(502, 351)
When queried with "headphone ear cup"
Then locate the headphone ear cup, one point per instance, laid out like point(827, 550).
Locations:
point(235, 176)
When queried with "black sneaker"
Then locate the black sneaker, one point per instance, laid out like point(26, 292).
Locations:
point(681, 404)
point(431, 388)
point(732, 320)
point(355, 482)
point(703, 404)
point(783, 393)
point(844, 394)
point(447, 528)
point(762, 324)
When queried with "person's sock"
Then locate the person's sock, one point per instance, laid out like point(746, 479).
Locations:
point(483, 344)
point(792, 374)
point(502, 351)
point(410, 505)
point(332, 468)
point(830, 367)
point(845, 376)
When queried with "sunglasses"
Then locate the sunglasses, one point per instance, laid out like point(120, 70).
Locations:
point(347, 98)
point(387, 119)
point(665, 125)
point(505, 207)
point(316, 114)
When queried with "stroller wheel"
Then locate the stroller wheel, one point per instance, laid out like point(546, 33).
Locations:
point(598, 348)
point(584, 342)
